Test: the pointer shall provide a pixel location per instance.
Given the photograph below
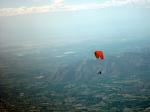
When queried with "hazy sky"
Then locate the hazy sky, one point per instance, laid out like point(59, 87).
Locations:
point(73, 19)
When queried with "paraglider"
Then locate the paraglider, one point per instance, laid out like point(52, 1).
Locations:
point(99, 72)
point(99, 55)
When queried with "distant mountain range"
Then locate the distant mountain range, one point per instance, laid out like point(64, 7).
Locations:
point(123, 65)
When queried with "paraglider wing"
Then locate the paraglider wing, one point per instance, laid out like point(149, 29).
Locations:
point(99, 55)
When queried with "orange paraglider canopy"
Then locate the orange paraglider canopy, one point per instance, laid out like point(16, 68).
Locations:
point(99, 54)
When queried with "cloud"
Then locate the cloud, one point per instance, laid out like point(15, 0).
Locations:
point(23, 10)
point(66, 53)
point(39, 77)
point(58, 1)
point(69, 52)
point(59, 5)
point(60, 56)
